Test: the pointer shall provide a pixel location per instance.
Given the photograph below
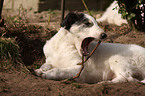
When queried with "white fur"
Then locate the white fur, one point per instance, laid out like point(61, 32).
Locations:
point(111, 62)
point(112, 16)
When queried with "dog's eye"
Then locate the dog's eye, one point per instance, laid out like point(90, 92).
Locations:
point(88, 24)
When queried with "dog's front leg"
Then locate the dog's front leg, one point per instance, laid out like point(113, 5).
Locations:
point(61, 73)
point(45, 67)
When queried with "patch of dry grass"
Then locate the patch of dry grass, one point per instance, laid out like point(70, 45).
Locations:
point(9, 52)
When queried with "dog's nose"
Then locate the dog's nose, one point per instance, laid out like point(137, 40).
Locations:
point(103, 35)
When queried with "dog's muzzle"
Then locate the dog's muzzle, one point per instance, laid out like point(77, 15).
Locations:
point(87, 41)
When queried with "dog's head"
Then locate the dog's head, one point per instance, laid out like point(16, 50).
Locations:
point(84, 27)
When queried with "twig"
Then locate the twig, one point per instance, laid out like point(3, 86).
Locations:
point(87, 8)
point(83, 61)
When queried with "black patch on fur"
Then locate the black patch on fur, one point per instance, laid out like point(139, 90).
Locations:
point(72, 18)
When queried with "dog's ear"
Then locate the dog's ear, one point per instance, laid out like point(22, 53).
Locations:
point(70, 19)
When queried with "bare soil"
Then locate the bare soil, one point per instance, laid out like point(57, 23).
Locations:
point(23, 82)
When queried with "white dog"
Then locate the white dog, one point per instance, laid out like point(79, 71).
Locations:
point(112, 16)
point(111, 62)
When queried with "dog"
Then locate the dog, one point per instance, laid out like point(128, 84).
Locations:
point(111, 63)
point(112, 16)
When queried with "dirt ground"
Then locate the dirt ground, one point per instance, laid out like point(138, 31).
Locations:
point(25, 83)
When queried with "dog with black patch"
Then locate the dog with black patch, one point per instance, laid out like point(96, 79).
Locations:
point(78, 36)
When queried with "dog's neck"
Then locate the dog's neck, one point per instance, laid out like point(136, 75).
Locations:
point(75, 40)
point(71, 38)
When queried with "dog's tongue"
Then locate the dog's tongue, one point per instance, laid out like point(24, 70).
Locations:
point(85, 45)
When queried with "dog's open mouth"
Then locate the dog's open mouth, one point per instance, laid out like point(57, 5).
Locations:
point(85, 45)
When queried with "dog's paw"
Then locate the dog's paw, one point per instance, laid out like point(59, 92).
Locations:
point(45, 76)
point(38, 72)
point(143, 81)
point(41, 74)
point(46, 66)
